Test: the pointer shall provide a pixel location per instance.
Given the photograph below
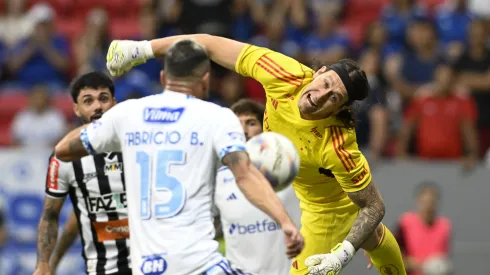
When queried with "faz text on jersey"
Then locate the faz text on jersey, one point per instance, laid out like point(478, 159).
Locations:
point(107, 203)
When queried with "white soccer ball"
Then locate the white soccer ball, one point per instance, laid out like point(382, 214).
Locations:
point(437, 266)
point(276, 157)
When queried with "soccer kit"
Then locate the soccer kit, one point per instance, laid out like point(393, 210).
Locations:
point(172, 146)
point(97, 189)
point(331, 163)
point(252, 238)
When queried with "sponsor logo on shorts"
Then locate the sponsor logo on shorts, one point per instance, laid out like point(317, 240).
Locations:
point(162, 115)
point(111, 230)
point(153, 265)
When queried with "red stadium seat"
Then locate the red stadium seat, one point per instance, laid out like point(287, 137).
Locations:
point(124, 28)
point(10, 103)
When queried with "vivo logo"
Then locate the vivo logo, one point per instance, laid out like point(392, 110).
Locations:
point(162, 115)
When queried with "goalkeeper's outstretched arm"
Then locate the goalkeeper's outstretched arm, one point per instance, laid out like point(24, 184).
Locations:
point(221, 50)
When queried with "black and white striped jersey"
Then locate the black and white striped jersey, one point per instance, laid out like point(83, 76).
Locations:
point(97, 189)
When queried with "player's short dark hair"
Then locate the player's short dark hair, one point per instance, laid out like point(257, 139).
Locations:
point(247, 106)
point(428, 185)
point(359, 81)
point(186, 58)
point(92, 80)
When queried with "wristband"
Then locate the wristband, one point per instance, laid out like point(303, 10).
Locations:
point(344, 251)
point(147, 51)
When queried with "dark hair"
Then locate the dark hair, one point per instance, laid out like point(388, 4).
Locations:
point(359, 80)
point(92, 80)
point(428, 185)
point(185, 59)
point(248, 106)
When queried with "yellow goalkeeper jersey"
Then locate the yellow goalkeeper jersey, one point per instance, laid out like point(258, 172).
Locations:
point(331, 163)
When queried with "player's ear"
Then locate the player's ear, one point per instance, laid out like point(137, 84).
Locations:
point(75, 109)
point(320, 71)
point(162, 77)
point(205, 81)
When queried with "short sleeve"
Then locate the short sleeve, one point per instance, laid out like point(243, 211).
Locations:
point(277, 72)
point(229, 136)
point(101, 136)
point(58, 178)
point(345, 160)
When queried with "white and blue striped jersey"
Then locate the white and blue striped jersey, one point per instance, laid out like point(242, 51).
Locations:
point(253, 240)
point(172, 145)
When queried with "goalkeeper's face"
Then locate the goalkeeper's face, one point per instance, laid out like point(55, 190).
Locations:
point(93, 103)
point(323, 97)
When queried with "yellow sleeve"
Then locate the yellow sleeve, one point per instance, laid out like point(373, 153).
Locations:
point(277, 72)
point(347, 163)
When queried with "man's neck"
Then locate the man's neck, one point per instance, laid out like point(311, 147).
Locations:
point(179, 87)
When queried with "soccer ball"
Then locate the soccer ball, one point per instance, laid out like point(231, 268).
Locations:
point(276, 157)
point(437, 266)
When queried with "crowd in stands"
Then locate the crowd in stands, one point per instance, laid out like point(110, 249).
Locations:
point(428, 62)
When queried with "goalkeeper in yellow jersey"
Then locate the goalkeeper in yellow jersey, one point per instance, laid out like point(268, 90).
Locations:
point(341, 206)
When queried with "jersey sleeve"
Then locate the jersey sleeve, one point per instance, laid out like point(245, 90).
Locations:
point(101, 135)
point(347, 163)
point(58, 178)
point(229, 136)
point(277, 72)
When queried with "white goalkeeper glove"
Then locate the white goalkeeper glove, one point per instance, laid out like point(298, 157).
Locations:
point(125, 54)
point(333, 262)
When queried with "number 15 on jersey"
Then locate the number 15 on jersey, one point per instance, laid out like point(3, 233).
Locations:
point(160, 181)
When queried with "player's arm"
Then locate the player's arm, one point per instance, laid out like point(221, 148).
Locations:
point(93, 138)
point(255, 186)
point(47, 233)
point(372, 212)
point(229, 144)
point(270, 68)
point(56, 189)
point(68, 237)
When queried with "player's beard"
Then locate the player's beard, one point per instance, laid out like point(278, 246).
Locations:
point(94, 117)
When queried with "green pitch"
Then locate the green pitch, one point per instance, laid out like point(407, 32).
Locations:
point(221, 245)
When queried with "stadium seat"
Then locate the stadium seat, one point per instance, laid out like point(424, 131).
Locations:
point(65, 105)
point(124, 28)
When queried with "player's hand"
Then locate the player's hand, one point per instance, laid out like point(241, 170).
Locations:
point(125, 54)
point(294, 240)
point(368, 259)
point(323, 264)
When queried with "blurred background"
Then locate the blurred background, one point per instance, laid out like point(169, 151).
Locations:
point(425, 127)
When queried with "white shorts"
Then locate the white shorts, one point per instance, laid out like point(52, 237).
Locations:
point(225, 267)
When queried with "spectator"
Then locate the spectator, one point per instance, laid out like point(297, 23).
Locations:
point(3, 57)
point(91, 47)
point(148, 31)
point(43, 57)
point(248, 16)
point(416, 66)
point(39, 124)
point(274, 35)
point(135, 84)
point(443, 118)
point(213, 17)
point(397, 16)
point(423, 235)
point(473, 71)
point(14, 24)
point(231, 89)
point(377, 39)
point(452, 21)
point(372, 128)
point(326, 44)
